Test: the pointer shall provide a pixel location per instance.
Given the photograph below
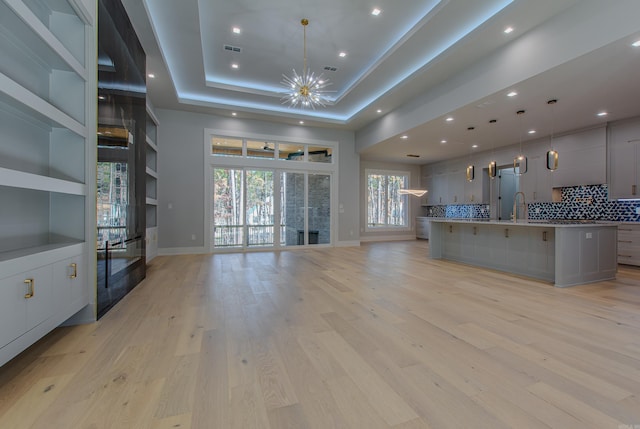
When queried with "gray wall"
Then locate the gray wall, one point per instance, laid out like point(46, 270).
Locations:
point(181, 173)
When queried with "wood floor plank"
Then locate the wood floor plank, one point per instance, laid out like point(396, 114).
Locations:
point(376, 336)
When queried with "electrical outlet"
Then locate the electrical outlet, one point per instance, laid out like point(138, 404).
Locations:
point(193, 236)
point(589, 235)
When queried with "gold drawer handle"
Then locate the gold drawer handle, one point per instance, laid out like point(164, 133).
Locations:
point(30, 288)
point(74, 267)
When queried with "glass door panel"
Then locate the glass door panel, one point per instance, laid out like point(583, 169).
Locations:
point(292, 213)
point(319, 209)
point(260, 208)
point(228, 207)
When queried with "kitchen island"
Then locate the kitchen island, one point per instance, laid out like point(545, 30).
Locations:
point(565, 253)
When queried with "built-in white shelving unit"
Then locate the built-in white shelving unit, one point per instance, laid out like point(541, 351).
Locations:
point(152, 184)
point(47, 159)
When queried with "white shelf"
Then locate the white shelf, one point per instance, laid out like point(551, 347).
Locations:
point(151, 144)
point(8, 259)
point(46, 35)
point(19, 179)
point(152, 202)
point(22, 97)
point(151, 173)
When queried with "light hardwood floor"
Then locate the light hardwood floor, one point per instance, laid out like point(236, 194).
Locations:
point(372, 337)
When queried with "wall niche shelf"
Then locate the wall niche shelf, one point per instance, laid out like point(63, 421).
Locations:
point(47, 158)
point(152, 184)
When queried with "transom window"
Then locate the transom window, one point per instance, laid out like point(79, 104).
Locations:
point(265, 149)
point(386, 208)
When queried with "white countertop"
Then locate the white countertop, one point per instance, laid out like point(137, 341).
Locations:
point(531, 223)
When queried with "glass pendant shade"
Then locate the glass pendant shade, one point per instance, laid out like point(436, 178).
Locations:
point(552, 160)
point(470, 173)
point(493, 170)
point(520, 165)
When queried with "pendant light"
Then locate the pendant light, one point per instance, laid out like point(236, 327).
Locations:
point(470, 168)
point(552, 154)
point(493, 165)
point(520, 161)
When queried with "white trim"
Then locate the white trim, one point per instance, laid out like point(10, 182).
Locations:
point(171, 251)
point(211, 161)
point(388, 238)
point(409, 207)
point(351, 243)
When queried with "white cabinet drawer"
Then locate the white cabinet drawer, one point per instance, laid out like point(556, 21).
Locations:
point(25, 302)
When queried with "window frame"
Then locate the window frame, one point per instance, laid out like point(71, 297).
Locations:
point(407, 202)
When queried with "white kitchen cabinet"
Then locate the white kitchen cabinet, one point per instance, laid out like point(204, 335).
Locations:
point(536, 183)
point(629, 244)
point(438, 192)
point(582, 158)
point(456, 179)
point(624, 159)
point(422, 227)
point(151, 240)
point(47, 160)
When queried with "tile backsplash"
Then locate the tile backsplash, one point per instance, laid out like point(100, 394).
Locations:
point(577, 202)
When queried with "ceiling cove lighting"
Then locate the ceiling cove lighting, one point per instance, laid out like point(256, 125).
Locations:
point(305, 90)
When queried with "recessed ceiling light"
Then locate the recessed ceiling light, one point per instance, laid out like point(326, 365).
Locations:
point(475, 146)
point(342, 54)
point(151, 75)
point(449, 119)
point(234, 66)
point(404, 137)
point(101, 97)
point(379, 111)
point(636, 43)
point(532, 131)
point(508, 30)
point(512, 94)
point(236, 30)
point(301, 122)
point(375, 12)
point(443, 141)
point(233, 113)
point(602, 113)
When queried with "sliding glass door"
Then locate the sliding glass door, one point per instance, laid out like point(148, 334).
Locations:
point(246, 207)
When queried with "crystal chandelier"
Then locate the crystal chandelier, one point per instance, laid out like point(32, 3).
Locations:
point(307, 89)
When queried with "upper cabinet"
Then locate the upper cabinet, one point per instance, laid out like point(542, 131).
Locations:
point(624, 159)
point(582, 158)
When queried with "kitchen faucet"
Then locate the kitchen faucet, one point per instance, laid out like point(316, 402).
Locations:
point(516, 205)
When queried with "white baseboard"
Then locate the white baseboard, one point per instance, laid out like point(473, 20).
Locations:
point(172, 251)
point(350, 243)
point(388, 238)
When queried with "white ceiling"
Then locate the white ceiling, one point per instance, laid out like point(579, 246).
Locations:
point(413, 47)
